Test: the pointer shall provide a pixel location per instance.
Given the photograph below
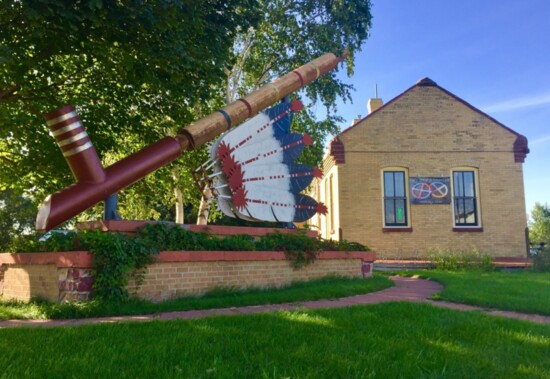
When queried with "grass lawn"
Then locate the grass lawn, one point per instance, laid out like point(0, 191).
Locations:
point(394, 340)
point(526, 292)
point(325, 288)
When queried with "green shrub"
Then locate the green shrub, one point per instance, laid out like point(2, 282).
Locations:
point(116, 259)
point(541, 261)
point(456, 260)
point(298, 248)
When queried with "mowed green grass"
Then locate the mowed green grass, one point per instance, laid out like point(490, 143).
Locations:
point(394, 340)
point(326, 288)
point(527, 292)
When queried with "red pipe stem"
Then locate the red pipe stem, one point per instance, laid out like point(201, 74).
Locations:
point(78, 197)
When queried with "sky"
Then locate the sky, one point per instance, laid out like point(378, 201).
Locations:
point(493, 54)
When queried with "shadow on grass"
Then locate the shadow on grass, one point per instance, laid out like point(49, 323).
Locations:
point(385, 340)
point(325, 288)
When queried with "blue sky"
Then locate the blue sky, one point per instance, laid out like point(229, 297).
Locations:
point(493, 54)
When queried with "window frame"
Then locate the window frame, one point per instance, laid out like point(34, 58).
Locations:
point(406, 226)
point(464, 226)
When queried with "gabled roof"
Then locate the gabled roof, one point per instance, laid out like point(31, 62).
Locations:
point(520, 146)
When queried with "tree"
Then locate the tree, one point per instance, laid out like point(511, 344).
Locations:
point(539, 225)
point(17, 215)
point(135, 70)
point(140, 70)
point(290, 34)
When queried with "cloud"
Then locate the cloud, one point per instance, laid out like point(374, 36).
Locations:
point(539, 140)
point(518, 103)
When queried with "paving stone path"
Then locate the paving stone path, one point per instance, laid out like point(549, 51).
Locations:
point(405, 289)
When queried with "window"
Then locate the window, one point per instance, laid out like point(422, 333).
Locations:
point(327, 200)
point(465, 201)
point(331, 204)
point(395, 199)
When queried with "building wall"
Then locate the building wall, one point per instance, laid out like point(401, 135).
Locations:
point(328, 226)
point(429, 132)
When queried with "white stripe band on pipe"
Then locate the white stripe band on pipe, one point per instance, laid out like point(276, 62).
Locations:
point(276, 90)
point(66, 129)
point(316, 69)
point(72, 139)
point(63, 117)
point(77, 149)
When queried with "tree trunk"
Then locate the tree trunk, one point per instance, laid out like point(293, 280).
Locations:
point(179, 205)
point(204, 208)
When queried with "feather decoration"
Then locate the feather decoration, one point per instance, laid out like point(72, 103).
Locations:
point(273, 204)
point(255, 177)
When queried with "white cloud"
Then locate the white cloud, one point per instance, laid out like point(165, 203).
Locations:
point(518, 103)
point(539, 140)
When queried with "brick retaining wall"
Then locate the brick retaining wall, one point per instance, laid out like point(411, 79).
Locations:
point(67, 275)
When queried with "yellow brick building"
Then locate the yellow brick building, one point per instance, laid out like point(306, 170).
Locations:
point(425, 171)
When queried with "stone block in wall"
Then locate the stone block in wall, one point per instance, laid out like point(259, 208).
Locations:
point(75, 284)
point(366, 269)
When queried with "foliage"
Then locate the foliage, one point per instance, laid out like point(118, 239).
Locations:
point(17, 215)
point(539, 225)
point(301, 249)
point(541, 260)
point(324, 288)
point(453, 260)
point(119, 257)
point(135, 70)
point(396, 340)
point(523, 291)
point(289, 34)
point(298, 248)
point(116, 258)
point(140, 70)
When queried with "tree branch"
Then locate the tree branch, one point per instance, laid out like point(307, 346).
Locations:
point(264, 73)
point(7, 93)
point(63, 82)
point(235, 74)
point(7, 160)
point(313, 17)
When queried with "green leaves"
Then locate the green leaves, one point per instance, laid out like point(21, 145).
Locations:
point(136, 72)
point(140, 70)
point(16, 217)
point(290, 34)
point(539, 231)
point(539, 226)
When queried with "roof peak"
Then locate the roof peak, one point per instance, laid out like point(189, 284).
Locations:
point(426, 82)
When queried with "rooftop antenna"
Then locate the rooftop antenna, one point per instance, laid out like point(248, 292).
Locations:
point(376, 90)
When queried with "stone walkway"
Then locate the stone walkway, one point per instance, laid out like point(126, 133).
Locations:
point(405, 289)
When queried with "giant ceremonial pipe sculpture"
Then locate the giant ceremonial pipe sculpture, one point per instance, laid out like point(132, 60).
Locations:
point(94, 183)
